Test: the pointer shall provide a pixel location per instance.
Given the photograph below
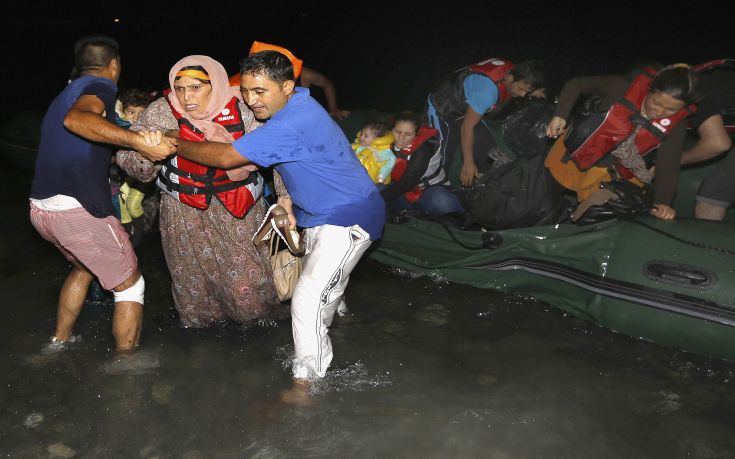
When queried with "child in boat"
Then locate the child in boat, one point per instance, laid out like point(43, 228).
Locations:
point(372, 147)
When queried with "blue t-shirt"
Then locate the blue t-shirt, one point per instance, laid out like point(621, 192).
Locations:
point(326, 181)
point(480, 92)
point(68, 164)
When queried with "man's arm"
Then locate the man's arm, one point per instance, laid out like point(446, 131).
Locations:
point(467, 143)
point(215, 154)
point(85, 119)
point(713, 140)
point(311, 77)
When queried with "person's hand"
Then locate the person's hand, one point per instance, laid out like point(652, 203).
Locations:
point(663, 212)
point(556, 126)
point(240, 173)
point(339, 114)
point(154, 146)
point(287, 204)
point(468, 174)
point(539, 93)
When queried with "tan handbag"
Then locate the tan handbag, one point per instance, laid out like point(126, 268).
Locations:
point(286, 263)
point(286, 269)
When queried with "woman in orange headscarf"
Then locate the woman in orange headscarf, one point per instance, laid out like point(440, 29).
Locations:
point(208, 215)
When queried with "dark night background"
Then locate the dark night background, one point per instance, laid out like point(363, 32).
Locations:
point(379, 54)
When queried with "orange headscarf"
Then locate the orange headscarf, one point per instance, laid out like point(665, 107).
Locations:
point(260, 46)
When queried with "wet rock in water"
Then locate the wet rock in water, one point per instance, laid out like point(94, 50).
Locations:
point(150, 452)
point(60, 451)
point(669, 403)
point(33, 420)
point(193, 454)
point(392, 327)
point(162, 393)
point(434, 314)
point(486, 380)
point(138, 362)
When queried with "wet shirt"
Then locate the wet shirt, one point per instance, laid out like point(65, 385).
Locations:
point(68, 164)
point(326, 181)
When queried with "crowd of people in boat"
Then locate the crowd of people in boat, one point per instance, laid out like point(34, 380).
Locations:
point(225, 157)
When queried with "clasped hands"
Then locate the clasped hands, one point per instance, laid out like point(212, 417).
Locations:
point(157, 145)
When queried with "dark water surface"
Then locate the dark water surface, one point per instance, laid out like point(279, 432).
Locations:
point(422, 369)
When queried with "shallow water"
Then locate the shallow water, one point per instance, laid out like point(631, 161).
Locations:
point(422, 369)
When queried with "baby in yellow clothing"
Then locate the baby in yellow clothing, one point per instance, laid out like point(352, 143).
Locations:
point(372, 146)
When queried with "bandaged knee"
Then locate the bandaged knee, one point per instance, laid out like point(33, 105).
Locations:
point(133, 293)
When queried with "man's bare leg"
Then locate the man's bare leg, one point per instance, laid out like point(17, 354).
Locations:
point(705, 211)
point(127, 318)
point(71, 300)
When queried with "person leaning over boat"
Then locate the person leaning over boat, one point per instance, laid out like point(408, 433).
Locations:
point(642, 115)
point(208, 215)
point(332, 197)
point(717, 191)
point(414, 146)
point(457, 107)
point(70, 202)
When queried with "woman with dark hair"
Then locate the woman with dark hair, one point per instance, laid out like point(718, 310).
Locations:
point(630, 119)
point(208, 215)
point(415, 145)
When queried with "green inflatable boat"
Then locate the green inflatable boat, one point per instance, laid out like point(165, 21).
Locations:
point(672, 283)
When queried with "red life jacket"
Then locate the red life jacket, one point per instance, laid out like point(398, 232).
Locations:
point(194, 184)
point(403, 156)
point(619, 122)
point(450, 100)
point(495, 69)
point(714, 65)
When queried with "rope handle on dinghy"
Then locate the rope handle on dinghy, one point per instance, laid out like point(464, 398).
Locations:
point(492, 240)
point(700, 245)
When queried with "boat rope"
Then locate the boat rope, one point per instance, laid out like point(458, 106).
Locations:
point(700, 245)
point(489, 240)
point(492, 240)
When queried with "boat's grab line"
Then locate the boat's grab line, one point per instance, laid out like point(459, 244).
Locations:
point(701, 245)
point(660, 299)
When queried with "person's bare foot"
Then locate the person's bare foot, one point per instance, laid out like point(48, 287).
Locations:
point(298, 394)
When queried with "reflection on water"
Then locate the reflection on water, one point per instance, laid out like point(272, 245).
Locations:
point(422, 368)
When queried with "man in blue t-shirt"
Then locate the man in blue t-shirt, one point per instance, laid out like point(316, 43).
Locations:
point(70, 195)
point(457, 106)
point(331, 195)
